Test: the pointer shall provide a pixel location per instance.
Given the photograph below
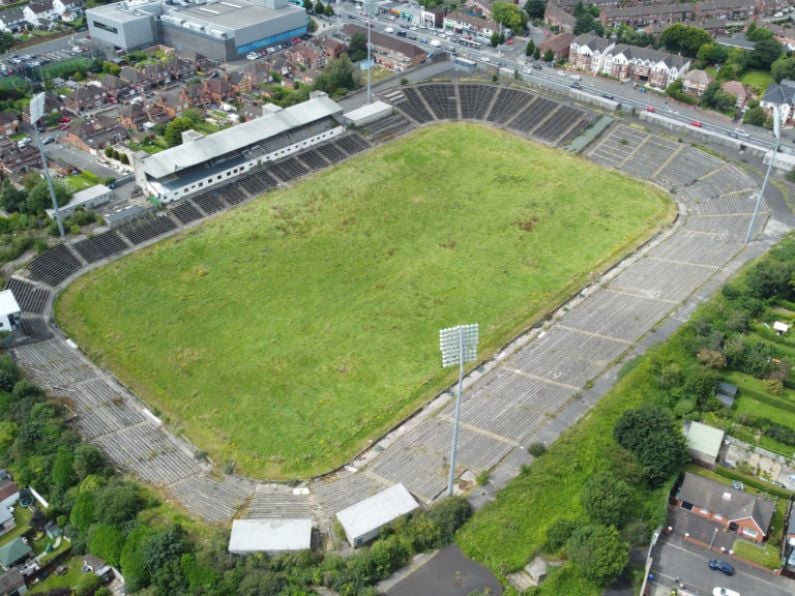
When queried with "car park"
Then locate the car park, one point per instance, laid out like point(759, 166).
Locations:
point(722, 566)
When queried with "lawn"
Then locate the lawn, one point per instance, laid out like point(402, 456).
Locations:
point(766, 555)
point(68, 580)
point(758, 79)
point(22, 517)
point(312, 314)
point(81, 181)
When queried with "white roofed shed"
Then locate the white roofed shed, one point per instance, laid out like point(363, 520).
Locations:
point(10, 313)
point(270, 536)
point(363, 521)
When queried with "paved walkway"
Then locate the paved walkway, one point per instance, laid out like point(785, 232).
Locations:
point(532, 391)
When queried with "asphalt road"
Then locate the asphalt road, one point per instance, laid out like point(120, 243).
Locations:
point(675, 559)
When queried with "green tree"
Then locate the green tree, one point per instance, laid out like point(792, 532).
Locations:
point(510, 15)
point(132, 560)
point(124, 159)
point(495, 39)
point(530, 48)
point(756, 33)
point(765, 53)
point(357, 49)
point(712, 53)
point(586, 22)
point(783, 68)
point(536, 54)
point(559, 532)
point(716, 98)
point(549, 56)
point(106, 542)
point(39, 196)
point(118, 502)
point(388, 555)
point(62, 474)
point(535, 9)
point(328, 11)
point(607, 499)
point(174, 130)
point(194, 115)
point(652, 435)
point(337, 76)
point(319, 8)
point(598, 552)
point(82, 514)
point(755, 116)
point(685, 39)
point(6, 41)
point(12, 198)
point(88, 460)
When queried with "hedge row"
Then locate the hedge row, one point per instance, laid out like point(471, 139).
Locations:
point(753, 482)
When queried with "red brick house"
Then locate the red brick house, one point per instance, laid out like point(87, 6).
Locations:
point(87, 97)
point(305, 56)
point(393, 54)
point(132, 116)
point(555, 16)
point(15, 161)
point(559, 45)
point(332, 48)
point(94, 134)
point(735, 510)
point(252, 76)
point(216, 90)
point(739, 91)
point(695, 82)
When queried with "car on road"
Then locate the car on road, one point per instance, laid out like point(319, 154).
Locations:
point(608, 96)
point(576, 85)
point(651, 109)
point(696, 123)
point(486, 59)
point(389, 30)
point(562, 73)
point(724, 592)
point(741, 133)
point(537, 67)
point(722, 566)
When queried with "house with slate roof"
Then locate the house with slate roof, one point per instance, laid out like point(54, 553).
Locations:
point(781, 95)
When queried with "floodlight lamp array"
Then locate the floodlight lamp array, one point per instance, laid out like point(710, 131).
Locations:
point(458, 344)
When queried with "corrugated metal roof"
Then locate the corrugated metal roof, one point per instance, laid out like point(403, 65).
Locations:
point(270, 535)
point(238, 137)
point(704, 439)
point(372, 513)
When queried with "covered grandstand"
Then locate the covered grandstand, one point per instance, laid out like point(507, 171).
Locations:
point(204, 162)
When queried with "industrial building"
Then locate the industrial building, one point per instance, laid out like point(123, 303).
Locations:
point(202, 162)
point(219, 29)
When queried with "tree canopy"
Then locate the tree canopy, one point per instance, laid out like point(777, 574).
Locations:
point(510, 15)
point(598, 552)
point(535, 9)
point(338, 75)
point(783, 68)
point(357, 49)
point(607, 499)
point(651, 434)
point(684, 39)
point(174, 130)
point(765, 53)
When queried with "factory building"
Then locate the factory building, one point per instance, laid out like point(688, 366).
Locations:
point(219, 29)
point(203, 162)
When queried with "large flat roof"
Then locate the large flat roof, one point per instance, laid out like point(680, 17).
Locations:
point(231, 14)
point(270, 535)
point(118, 11)
point(372, 513)
point(8, 304)
point(238, 137)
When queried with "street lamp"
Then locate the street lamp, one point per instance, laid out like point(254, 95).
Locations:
point(777, 134)
point(459, 345)
point(369, 4)
point(36, 112)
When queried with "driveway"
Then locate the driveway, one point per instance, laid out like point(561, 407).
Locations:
point(673, 558)
point(701, 529)
point(79, 159)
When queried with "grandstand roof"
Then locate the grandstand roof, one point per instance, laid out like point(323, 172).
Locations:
point(238, 137)
point(270, 535)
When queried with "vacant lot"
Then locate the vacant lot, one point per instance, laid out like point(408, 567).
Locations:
point(285, 335)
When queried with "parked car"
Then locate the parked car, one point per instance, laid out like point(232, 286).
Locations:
point(724, 592)
point(741, 133)
point(48, 140)
point(722, 566)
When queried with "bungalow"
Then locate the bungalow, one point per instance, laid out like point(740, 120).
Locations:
point(739, 91)
point(12, 20)
point(781, 95)
point(587, 52)
point(39, 14)
point(736, 510)
point(555, 16)
point(695, 82)
point(9, 123)
point(13, 552)
point(559, 45)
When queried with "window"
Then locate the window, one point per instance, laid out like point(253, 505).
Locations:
point(750, 533)
point(201, 184)
point(104, 27)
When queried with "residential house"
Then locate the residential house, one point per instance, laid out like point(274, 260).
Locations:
point(306, 56)
point(132, 116)
point(464, 24)
point(391, 53)
point(134, 77)
point(68, 10)
point(95, 134)
point(555, 16)
point(249, 110)
point(281, 65)
point(52, 103)
point(730, 10)
point(695, 82)
point(216, 90)
point(736, 510)
point(12, 583)
point(781, 95)
point(307, 76)
point(253, 75)
point(646, 14)
point(9, 123)
point(156, 113)
point(783, 34)
point(15, 161)
point(40, 13)
point(559, 45)
point(433, 18)
point(587, 52)
point(645, 65)
point(703, 442)
point(742, 94)
point(13, 552)
point(192, 57)
point(332, 48)
point(85, 98)
point(114, 86)
point(12, 20)
point(9, 495)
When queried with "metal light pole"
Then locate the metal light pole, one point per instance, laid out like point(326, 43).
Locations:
point(760, 198)
point(36, 112)
point(368, 4)
point(458, 345)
